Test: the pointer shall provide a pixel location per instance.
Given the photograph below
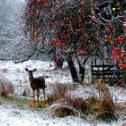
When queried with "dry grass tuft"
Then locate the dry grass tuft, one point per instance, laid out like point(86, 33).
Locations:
point(59, 91)
point(93, 105)
point(101, 87)
point(67, 106)
point(80, 104)
point(60, 104)
point(63, 112)
point(100, 106)
point(61, 108)
point(106, 105)
point(6, 87)
point(106, 109)
point(1, 101)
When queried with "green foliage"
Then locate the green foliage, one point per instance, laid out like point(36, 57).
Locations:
point(16, 100)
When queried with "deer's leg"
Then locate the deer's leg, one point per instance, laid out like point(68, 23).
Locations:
point(44, 93)
point(38, 94)
point(33, 94)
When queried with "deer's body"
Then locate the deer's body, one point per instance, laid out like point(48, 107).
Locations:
point(36, 83)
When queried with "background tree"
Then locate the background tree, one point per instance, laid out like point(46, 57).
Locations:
point(76, 30)
point(13, 44)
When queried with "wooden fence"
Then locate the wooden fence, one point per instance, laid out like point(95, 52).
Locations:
point(109, 73)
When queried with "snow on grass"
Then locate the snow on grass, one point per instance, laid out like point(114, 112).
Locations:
point(12, 116)
point(17, 74)
point(119, 93)
point(19, 77)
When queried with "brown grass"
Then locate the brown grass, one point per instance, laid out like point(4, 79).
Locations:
point(59, 91)
point(61, 108)
point(93, 105)
point(101, 87)
point(106, 106)
point(1, 101)
point(80, 104)
point(106, 109)
point(6, 87)
point(38, 104)
point(96, 106)
point(62, 105)
point(63, 112)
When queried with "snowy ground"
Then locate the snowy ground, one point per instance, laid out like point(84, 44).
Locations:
point(14, 116)
point(19, 77)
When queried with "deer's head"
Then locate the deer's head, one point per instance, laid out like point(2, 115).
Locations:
point(30, 72)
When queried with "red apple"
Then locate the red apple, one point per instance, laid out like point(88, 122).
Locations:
point(53, 40)
point(124, 26)
point(45, 4)
point(124, 36)
point(119, 81)
point(82, 3)
point(38, 1)
point(107, 30)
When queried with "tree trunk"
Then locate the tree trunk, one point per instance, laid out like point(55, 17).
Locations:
point(81, 71)
point(59, 62)
point(72, 69)
point(82, 68)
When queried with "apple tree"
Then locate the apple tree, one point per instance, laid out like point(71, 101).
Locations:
point(76, 30)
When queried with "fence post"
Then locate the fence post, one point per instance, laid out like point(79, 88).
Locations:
point(103, 76)
point(92, 68)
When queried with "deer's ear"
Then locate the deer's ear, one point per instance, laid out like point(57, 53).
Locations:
point(34, 69)
point(26, 69)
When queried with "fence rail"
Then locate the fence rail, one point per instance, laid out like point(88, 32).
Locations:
point(107, 72)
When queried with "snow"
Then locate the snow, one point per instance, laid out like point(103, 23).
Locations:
point(17, 74)
point(14, 116)
point(11, 116)
point(17, 71)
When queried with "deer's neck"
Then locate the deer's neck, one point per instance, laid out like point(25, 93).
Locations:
point(31, 78)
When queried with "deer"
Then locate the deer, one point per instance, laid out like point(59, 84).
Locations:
point(36, 83)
